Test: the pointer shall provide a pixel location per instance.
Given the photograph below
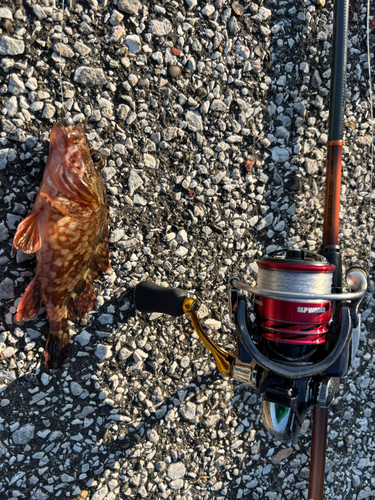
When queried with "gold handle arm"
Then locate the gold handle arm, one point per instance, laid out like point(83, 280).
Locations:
point(224, 360)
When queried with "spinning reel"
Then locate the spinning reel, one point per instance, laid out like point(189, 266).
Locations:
point(301, 341)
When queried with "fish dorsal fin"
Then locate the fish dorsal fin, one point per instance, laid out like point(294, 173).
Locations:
point(27, 237)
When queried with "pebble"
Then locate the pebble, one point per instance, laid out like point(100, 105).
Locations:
point(6, 289)
point(103, 352)
point(133, 43)
point(11, 46)
point(279, 154)
point(176, 471)
point(129, 6)
point(6, 13)
point(89, 76)
point(23, 434)
point(160, 27)
point(194, 121)
point(174, 71)
point(188, 411)
point(16, 85)
point(134, 182)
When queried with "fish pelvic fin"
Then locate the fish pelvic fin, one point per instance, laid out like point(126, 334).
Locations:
point(100, 262)
point(30, 302)
point(83, 298)
point(57, 346)
point(27, 237)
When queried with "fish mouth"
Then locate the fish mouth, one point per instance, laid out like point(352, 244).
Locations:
point(65, 134)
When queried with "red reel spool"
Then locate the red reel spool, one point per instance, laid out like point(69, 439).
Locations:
point(303, 322)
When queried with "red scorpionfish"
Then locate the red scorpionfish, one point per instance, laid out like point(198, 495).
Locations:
point(68, 230)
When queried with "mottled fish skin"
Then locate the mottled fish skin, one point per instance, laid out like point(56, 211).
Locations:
point(68, 230)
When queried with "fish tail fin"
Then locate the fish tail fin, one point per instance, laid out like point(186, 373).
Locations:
point(57, 346)
point(30, 303)
point(27, 237)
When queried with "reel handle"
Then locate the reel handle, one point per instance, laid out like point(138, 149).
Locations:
point(150, 298)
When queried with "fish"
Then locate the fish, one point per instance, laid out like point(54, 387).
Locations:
point(68, 230)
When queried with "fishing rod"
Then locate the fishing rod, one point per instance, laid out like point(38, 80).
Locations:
point(306, 328)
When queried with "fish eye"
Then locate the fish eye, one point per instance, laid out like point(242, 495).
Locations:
point(97, 159)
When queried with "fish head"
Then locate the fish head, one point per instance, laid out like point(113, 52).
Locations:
point(73, 168)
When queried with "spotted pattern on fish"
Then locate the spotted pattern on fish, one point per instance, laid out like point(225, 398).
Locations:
point(67, 229)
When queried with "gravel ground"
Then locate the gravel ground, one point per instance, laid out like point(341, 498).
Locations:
point(213, 118)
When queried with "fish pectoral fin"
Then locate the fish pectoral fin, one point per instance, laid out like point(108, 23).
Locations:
point(83, 299)
point(27, 237)
point(30, 302)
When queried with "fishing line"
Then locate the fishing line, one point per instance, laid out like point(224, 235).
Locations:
point(292, 281)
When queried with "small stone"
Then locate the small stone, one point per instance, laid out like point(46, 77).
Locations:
point(316, 81)
point(75, 389)
point(153, 436)
point(176, 52)
point(294, 184)
point(32, 83)
point(82, 49)
point(6, 13)
point(116, 18)
point(188, 411)
point(281, 454)
point(122, 111)
point(280, 155)
point(11, 46)
point(181, 252)
point(237, 8)
point(174, 71)
point(39, 12)
point(24, 434)
point(176, 471)
point(311, 166)
point(177, 484)
point(134, 182)
point(191, 4)
point(11, 106)
point(83, 338)
point(4, 233)
point(208, 10)
point(160, 27)
point(100, 494)
point(16, 85)
point(139, 200)
point(194, 121)
point(103, 352)
point(124, 354)
point(106, 319)
point(133, 43)
point(218, 105)
point(263, 15)
point(129, 6)
point(149, 161)
point(48, 111)
point(212, 420)
point(6, 25)
point(6, 289)
point(89, 76)
point(63, 50)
